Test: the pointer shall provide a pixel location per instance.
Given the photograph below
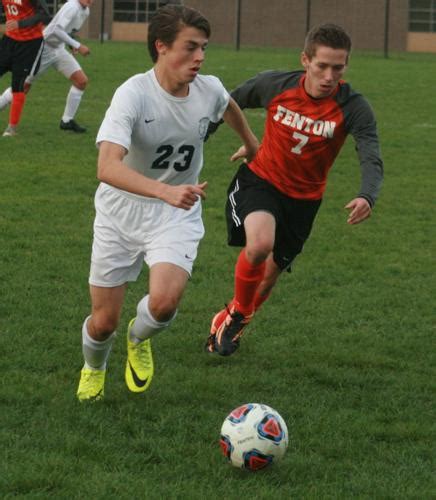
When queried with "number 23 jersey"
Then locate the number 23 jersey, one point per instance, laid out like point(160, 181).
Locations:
point(163, 134)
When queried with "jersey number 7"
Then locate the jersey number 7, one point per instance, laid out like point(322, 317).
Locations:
point(302, 142)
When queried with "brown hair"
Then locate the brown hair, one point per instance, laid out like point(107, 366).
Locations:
point(169, 20)
point(327, 35)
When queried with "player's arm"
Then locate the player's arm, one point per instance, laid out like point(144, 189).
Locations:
point(239, 96)
point(112, 170)
point(363, 128)
point(63, 36)
point(235, 118)
point(58, 30)
point(42, 15)
point(254, 93)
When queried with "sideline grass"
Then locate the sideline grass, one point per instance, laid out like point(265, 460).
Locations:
point(343, 349)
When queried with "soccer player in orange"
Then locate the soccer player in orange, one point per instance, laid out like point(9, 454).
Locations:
point(69, 19)
point(21, 49)
point(273, 199)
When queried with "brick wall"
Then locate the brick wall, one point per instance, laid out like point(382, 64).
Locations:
point(278, 23)
point(284, 22)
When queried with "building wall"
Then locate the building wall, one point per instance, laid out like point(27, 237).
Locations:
point(421, 42)
point(283, 23)
point(99, 23)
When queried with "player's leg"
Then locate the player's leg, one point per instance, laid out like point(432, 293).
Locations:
point(71, 68)
point(115, 261)
point(250, 267)
point(173, 239)
point(26, 59)
point(158, 309)
point(270, 277)
point(249, 272)
point(155, 312)
point(263, 291)
point(45, 63)
point(5, 66)
point(98, 334)
point(251, 223)
point(6, 97)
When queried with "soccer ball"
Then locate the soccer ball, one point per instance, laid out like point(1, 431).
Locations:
point(253, 436)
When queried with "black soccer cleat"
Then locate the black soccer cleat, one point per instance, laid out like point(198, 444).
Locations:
point(217, 321)
point(229, 333)
point(73, 126)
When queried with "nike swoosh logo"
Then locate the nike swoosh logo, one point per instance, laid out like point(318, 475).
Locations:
point(138, 382)
point(149, 121)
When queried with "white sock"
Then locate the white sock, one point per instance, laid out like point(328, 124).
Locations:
point(145, 326)
point(73, 102)
point(6, 98)
point(95, 352)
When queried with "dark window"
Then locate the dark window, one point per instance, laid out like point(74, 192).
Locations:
point(422, 16)
point(137, 11)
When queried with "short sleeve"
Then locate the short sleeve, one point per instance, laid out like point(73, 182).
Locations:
point(222, 99)
point(120, 118)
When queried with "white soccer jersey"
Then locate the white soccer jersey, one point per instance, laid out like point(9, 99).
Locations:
point(163, 134)
point(69, 18)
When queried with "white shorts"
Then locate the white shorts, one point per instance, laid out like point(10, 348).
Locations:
point(61, 60)
point(129, 230)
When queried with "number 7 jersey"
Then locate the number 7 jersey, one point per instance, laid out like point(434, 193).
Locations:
point(304, 135)
point(164, 135)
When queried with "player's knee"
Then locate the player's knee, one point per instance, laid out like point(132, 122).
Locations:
point(80, 81)
point(258, 251)
point(103, 325)
point(162, 308)
point(81, 85)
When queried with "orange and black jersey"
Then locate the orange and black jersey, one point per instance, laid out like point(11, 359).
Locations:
point(31, 16)
point(304, 135)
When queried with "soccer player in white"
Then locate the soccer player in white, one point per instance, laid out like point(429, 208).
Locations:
point(148, 204)
point(69, 18)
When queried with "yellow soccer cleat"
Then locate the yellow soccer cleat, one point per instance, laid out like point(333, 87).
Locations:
point(91, 385)
point(139, 365)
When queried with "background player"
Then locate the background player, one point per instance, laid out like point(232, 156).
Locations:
point(148, 203)
point(273, 200)
point(20, 50)
point(68, 19)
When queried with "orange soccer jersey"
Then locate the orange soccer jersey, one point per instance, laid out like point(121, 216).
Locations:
point(18, 10)
point(304, 135)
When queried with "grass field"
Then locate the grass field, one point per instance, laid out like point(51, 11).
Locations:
point(344, 349)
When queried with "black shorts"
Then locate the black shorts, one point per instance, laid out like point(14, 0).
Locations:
point(249, 193)
point(21, 58)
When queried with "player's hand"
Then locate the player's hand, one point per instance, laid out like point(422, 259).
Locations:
point(83, 50)
point(184, 196)
point(240, 153)
point(246, 153)
point(359, 209)
point(11, 25)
